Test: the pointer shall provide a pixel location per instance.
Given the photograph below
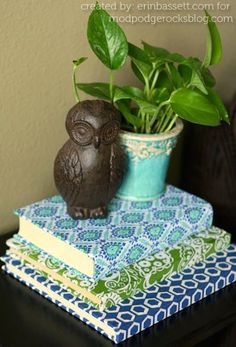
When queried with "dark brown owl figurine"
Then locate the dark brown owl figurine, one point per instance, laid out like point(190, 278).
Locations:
point(89, 167)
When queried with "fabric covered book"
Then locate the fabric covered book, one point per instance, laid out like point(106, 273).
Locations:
point(123, 284)
point(145, 308)
point(131, 232)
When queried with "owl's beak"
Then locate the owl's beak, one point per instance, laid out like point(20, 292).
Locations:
point(96, 142)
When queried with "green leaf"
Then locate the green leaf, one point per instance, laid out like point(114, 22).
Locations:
point(194, 107)
point(185, 72)
point(99, 90)
point(145, 106)
point(160, 94)
point(144, 68)
point(209, 79)
point(214, 47)
point(107, 39)
point(137, 73)
point(130, 118)
point(79, 61)
point(124, 93)
point(163, 81)
point(192, 63)
point(198, 81)
point(137, 53)
point(216, 100)
point(120, 94)
point(175, 75)
point(155, 52)
point(175, 58)
point(134, 91)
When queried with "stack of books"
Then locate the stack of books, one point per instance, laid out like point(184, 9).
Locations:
point(120, 275)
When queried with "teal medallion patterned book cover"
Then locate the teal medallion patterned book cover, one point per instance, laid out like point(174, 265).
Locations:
point(131, 232)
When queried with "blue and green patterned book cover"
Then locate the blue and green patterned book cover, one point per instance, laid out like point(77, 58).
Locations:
point(131, 232)
point(144, 309)
point(125, 283)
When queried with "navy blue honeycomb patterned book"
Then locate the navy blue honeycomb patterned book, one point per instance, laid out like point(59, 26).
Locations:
point(144, 309)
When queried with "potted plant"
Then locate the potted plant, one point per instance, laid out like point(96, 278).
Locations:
point(173, 87)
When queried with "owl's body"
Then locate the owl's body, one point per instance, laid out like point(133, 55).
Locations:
point(89, 167)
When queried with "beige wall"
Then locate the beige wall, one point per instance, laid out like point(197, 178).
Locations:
point(38, 40)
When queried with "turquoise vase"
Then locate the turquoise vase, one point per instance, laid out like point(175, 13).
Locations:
point(147, 161)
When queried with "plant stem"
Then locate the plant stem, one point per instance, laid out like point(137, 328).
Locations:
point(147, 91)
point(172, 123)
point(139, 116)
point(111, 85)
point(159, 124)
point(154, 117)
point(154, 80)
point(77, 98)
point(157, 112)
point(167, 68)
point(166, 121)
point(165, 113)
point(143, 119)
point(147, 88)
point(148, 124)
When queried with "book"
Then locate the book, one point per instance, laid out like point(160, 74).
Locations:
point(145, 308)
point(123, 284)
point(131, 232)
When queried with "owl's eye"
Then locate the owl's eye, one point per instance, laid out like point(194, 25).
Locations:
point(110, 131)
point(82, 133)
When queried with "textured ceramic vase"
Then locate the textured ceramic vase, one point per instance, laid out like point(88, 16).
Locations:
point(147, 161)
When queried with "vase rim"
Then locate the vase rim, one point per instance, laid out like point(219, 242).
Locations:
point(154, 137)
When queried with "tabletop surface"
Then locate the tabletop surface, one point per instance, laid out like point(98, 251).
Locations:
point(27, 319)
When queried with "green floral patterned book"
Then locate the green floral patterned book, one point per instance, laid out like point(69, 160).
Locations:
point(130, 280)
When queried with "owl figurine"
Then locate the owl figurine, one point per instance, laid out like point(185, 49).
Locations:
point(89, 168)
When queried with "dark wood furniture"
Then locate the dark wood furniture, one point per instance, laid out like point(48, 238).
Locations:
point(209, 168)
point(28, 320)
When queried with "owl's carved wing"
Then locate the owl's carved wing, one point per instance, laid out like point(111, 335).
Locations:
point(117, 160)
point(68, 174)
